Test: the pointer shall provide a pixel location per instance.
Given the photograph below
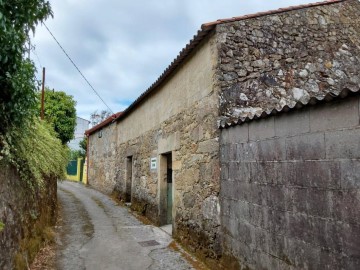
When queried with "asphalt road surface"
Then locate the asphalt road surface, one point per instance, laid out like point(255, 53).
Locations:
point(97, 234)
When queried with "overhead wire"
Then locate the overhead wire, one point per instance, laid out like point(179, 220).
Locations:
point(67, 55)
point(37, 57)
point(33, 49)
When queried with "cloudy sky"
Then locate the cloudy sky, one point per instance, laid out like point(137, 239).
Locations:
point(123, 46)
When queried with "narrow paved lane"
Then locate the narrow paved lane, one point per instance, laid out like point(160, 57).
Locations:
point(97, 234)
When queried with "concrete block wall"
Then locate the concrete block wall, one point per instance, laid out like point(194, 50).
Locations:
point(290, 189)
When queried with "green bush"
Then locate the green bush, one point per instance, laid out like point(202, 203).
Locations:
point(61, 113)
point(35, 152)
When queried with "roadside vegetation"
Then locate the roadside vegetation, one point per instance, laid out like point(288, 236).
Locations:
point(35, 148)
point(33, 152)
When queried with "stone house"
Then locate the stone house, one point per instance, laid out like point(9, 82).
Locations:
point(102, 139)
point(236, 147)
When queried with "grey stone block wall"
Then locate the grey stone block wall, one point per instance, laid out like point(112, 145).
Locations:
point(290, 189)
point(277, 60)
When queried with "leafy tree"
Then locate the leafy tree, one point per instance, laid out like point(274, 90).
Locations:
point(75, 154)
point(83, 146)
point(27, 143)
point(17, 74)
point(59, 110)
point(81, 153)
point(97, 117)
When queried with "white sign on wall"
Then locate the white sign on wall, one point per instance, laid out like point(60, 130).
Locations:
point(153, 163)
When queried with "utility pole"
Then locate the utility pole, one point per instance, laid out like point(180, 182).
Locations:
point(43, 94)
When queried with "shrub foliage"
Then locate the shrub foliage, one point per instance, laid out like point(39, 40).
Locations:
point(35, 152)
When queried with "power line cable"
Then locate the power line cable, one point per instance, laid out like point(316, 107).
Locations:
point(77, 68)
point(33, 49)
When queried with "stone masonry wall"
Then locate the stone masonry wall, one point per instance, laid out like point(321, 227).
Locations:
point(178, 118)
point(192, 138)
point(269, 62)
point(290, 190)
point(26, 212)
point(102, 159)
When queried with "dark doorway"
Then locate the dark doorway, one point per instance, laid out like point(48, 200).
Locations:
point(169, 189)
point(129, 178)
point(166, 186)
